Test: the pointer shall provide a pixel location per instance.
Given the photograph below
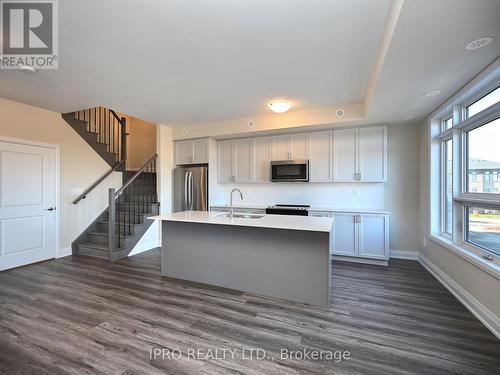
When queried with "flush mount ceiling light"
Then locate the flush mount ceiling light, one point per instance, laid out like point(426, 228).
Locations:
point(27, 69)
point(280, 106)
point(432, 93)
point(479, 43)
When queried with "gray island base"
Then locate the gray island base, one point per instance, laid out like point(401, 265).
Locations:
point(291, 264)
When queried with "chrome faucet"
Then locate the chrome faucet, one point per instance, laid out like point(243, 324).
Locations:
point(231, 201)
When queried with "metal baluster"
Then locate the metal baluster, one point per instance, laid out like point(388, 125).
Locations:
point(111, 222)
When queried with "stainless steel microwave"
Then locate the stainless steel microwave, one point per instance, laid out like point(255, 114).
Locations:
point(290, 171)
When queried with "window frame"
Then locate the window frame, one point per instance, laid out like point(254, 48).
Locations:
point(462, 198)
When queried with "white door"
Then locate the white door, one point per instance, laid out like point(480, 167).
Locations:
point(320, 145)
point(262, 160)
point(373, 236)
point(298, 146)
point(183, 152)
point(372, 154)
point(345, 234)
point(27, 192)
point(200, 151)
point(344, 154)
point(242, 160)
point(224, 162)
point(280, 148)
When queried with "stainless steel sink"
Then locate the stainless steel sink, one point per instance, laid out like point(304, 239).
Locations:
point(241, 216)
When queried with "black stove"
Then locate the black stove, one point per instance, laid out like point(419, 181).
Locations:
point(289, 209)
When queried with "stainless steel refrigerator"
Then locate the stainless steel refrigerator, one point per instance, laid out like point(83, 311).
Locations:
point(191, 188)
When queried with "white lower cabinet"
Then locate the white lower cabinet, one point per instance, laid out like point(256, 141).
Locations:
point(373, 235)
point(363, 235)
point(345, 234)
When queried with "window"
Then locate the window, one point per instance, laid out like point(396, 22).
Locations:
point(447, 124)
point(483, 154)
point(448, 186)
point(486, 101)
point(468, 152)
point(483, 228)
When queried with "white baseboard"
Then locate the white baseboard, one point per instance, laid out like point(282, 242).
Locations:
point(145, 246)
point(64, 252)
point(490, 320)
point(403, 254)
point(375, 262)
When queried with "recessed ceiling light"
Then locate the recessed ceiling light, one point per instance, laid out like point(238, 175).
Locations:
point(479, 43)
point(280, 106)
point(28, 69)
point(432, 93)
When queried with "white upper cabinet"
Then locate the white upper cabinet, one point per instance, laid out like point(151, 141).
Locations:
point(200, 151)
point(224, 162)
point(191, 152)
point(183, 152)
point(288, 147)
point(262, 159)
point(242, 160)
point(281, 150)
point(345, 155)
point(298, 146)
point(360, 154)
point(373, 154)
point(320, 156)
point(373, 236)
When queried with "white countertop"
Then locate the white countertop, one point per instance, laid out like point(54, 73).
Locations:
point(305, 223)
point(312, 208)
point(355, 210)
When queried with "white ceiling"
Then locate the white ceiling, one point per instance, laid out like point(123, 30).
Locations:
point(427, 52)
point(195, 61)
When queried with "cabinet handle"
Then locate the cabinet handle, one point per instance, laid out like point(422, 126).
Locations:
point(357, 176)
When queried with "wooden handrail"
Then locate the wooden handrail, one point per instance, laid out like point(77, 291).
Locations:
point(120, 119)
point(94, 185)
point(117, 194)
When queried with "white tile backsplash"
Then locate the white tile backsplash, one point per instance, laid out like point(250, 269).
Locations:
point(340, 195)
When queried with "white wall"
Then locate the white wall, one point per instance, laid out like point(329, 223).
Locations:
point(399, 195)
point(80, 165)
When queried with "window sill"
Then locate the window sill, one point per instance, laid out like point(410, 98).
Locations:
point(491, 267)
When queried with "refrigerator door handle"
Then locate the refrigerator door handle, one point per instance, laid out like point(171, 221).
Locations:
point(190, 191)
point(185, 202)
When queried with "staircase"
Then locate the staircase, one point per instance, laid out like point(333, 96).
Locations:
point(116, 231)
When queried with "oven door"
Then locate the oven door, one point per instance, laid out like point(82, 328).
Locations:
point(290, 171)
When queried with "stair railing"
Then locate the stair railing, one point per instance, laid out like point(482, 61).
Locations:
point(101, 179)
point(141, 193)
point(110, 130)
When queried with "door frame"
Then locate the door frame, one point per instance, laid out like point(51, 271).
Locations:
point(58, 253)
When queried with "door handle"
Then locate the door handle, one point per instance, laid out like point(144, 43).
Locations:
point(51, 209)
point(190, 191)
point(186, 194)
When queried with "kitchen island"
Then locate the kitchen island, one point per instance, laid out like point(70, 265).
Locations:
point(279, 256)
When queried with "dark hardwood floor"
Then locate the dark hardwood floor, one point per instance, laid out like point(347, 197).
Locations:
point(80, 315)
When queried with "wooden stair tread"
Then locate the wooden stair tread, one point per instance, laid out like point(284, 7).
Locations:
point(105, 234)
point(98, 246)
